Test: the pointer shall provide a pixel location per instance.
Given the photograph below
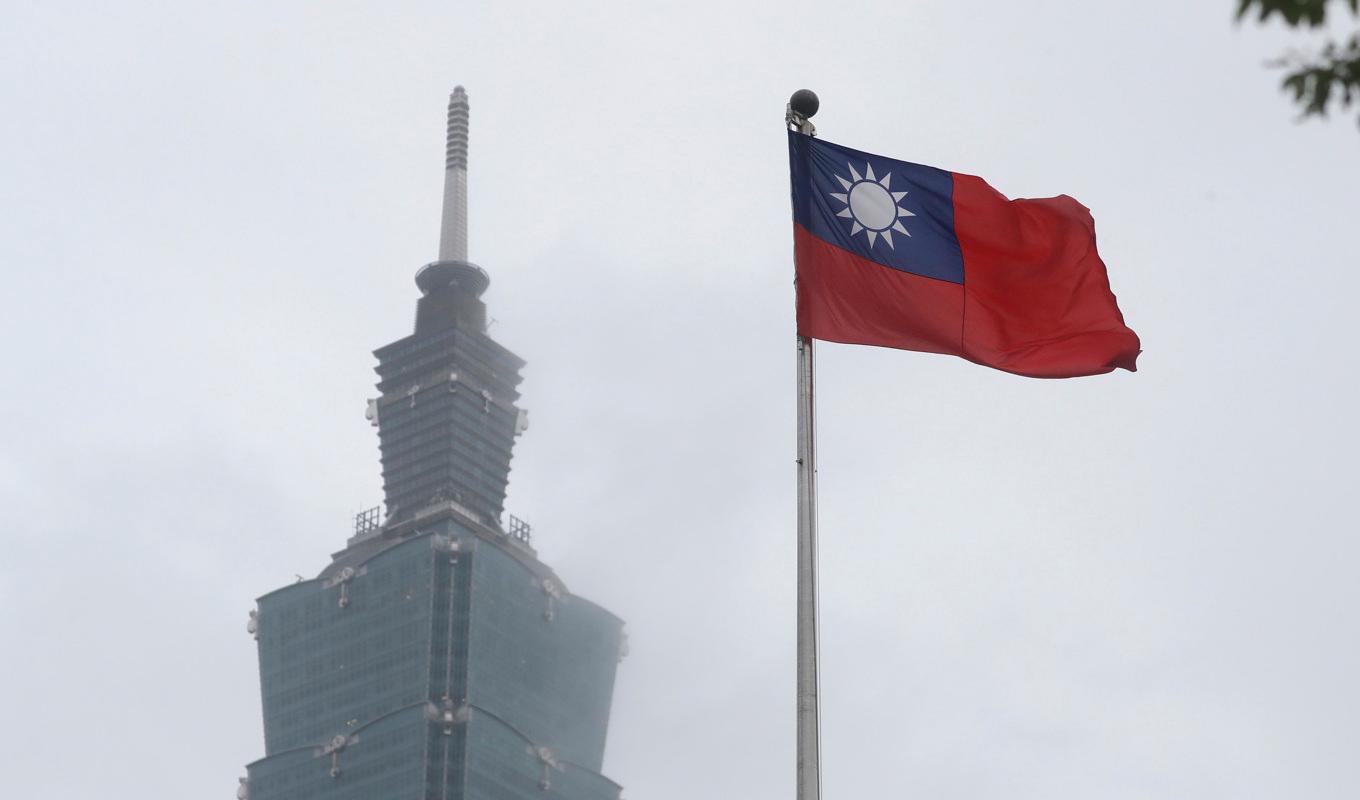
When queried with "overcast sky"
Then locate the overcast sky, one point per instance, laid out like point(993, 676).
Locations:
point(1128, 586)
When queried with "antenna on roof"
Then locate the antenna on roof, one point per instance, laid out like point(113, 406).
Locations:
point(453, 234)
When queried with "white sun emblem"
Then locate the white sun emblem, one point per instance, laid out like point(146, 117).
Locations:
point(871, 205)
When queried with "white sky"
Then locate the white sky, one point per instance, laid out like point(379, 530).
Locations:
point(1129, 586)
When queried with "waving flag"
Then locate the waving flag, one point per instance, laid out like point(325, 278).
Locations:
point(901, 255)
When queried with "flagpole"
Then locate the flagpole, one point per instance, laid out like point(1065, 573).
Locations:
point(801, 106)
point(809, 716)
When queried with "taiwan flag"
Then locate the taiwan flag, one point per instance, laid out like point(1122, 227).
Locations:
point(901, 255)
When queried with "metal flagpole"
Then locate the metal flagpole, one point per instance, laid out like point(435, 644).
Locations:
point(801, 106)
point(809, 717)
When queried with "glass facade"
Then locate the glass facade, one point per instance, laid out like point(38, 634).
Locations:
point(544, 663)
point(336, 651)
point(445, 664)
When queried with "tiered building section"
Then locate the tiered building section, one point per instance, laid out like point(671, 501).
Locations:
point(440, 661)
point(447, 418)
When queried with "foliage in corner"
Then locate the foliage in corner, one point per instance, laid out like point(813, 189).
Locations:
point(1316, 80)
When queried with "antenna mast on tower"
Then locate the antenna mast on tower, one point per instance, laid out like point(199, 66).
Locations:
point(453, 234)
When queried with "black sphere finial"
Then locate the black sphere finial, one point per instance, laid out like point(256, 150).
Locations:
point(805, 102)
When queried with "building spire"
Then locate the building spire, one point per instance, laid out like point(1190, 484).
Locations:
point(451, 284)
point(453, 227)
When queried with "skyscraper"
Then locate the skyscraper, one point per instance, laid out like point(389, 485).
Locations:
point(436, 657)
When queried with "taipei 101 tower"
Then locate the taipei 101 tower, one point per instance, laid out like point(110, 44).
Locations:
point(435, 657)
